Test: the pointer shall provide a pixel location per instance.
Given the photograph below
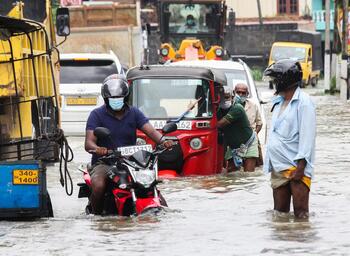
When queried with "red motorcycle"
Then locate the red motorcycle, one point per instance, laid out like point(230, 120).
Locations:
point(133, 178)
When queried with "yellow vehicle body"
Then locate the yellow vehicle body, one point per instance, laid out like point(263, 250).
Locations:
point(300, 52)
point(28, 77)
point(191, 43)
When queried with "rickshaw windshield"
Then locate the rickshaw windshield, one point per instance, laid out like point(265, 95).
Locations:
point(170, 98)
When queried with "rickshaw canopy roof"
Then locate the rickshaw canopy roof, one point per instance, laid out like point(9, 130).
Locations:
point(177, 72)
point(16, 26)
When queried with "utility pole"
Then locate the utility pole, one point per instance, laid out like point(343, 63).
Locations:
point(345, 30)
point(327, 52)
point(260, 15)
point(344, 62)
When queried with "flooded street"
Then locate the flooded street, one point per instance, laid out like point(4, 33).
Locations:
point(218, 215)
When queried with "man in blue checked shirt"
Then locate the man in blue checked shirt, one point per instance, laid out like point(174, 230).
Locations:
point(290, 148)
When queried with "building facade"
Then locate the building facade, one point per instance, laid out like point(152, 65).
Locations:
point(271, 8)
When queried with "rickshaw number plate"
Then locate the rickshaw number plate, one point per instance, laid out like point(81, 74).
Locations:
point(81, 101)
point(25, 177)
point(128, 151)
point(182, 125)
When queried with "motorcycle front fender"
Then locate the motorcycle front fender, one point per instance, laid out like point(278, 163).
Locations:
point(143, 204)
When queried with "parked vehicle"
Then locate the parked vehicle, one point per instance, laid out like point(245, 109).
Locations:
point(81, 77)
point(133, 178)
point(29, 109)
point(302, 46)
point(235, 72)
point(165, 93)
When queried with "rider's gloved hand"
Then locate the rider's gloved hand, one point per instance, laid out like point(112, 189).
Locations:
point(101, 151)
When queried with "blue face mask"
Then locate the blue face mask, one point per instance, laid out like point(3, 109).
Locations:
point(116, 103)
point(238, 98)
point(243, 99)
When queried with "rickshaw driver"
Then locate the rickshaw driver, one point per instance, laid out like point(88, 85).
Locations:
point(122, 120)
point(238, 134)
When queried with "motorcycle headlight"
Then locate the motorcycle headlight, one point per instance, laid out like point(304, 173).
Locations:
point(145, 177)
point(196, 143)
point(140, 141)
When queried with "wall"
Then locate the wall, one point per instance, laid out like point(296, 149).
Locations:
point(124, 41)
point(103, 15)
point(249, 8)
point(253, 44)
point(100, 27)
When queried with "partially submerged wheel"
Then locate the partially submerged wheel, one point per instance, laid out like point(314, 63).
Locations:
point(314, 81)
point(88, 209)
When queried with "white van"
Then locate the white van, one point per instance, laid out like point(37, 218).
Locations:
point(81, 77)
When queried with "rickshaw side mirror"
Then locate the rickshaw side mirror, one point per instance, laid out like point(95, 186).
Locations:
point(169, 127)
point(62, 21)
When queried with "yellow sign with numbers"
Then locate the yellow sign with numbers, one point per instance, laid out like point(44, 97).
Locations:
point(25, 177)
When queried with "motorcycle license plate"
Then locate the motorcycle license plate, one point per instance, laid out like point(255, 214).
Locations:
point(129, 150)
point(25, 177)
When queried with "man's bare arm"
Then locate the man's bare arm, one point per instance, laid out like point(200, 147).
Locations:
point(149, 130)
point(222, 123)
point(90, 144)
point(156, 136)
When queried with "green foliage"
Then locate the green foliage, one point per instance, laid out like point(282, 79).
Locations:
point(257, 74)
point(54, 5)
point(333, 85)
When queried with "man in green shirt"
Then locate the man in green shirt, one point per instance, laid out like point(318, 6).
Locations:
point(238, 134)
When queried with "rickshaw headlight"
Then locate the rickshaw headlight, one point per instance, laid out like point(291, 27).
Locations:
point(164, 52)
point(140, 141)
point(219, 52)
point(196, 143)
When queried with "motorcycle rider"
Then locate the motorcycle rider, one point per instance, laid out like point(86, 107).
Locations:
point(123, 121)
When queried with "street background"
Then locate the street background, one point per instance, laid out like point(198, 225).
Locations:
point(228, 214)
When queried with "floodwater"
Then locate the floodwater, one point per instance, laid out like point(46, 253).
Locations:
point(218, 215)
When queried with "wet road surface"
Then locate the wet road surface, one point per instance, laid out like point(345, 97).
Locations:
point(219, 215)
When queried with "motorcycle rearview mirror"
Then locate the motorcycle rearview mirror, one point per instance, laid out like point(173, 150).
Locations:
point(169, 127)
point(102, 132)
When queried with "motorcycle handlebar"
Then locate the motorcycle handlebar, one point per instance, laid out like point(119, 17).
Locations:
point(158, 150)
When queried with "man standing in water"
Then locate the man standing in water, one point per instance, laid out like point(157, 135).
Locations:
point(290, 148)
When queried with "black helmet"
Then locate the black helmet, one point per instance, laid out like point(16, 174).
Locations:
point(115, 86)
point(285, 74)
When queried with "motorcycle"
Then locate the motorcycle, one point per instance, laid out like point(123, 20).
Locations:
point(132, 178)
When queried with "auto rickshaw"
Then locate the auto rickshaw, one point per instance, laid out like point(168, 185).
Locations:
point(189, 96)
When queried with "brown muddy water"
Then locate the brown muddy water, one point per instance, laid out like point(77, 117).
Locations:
point(218, 215)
